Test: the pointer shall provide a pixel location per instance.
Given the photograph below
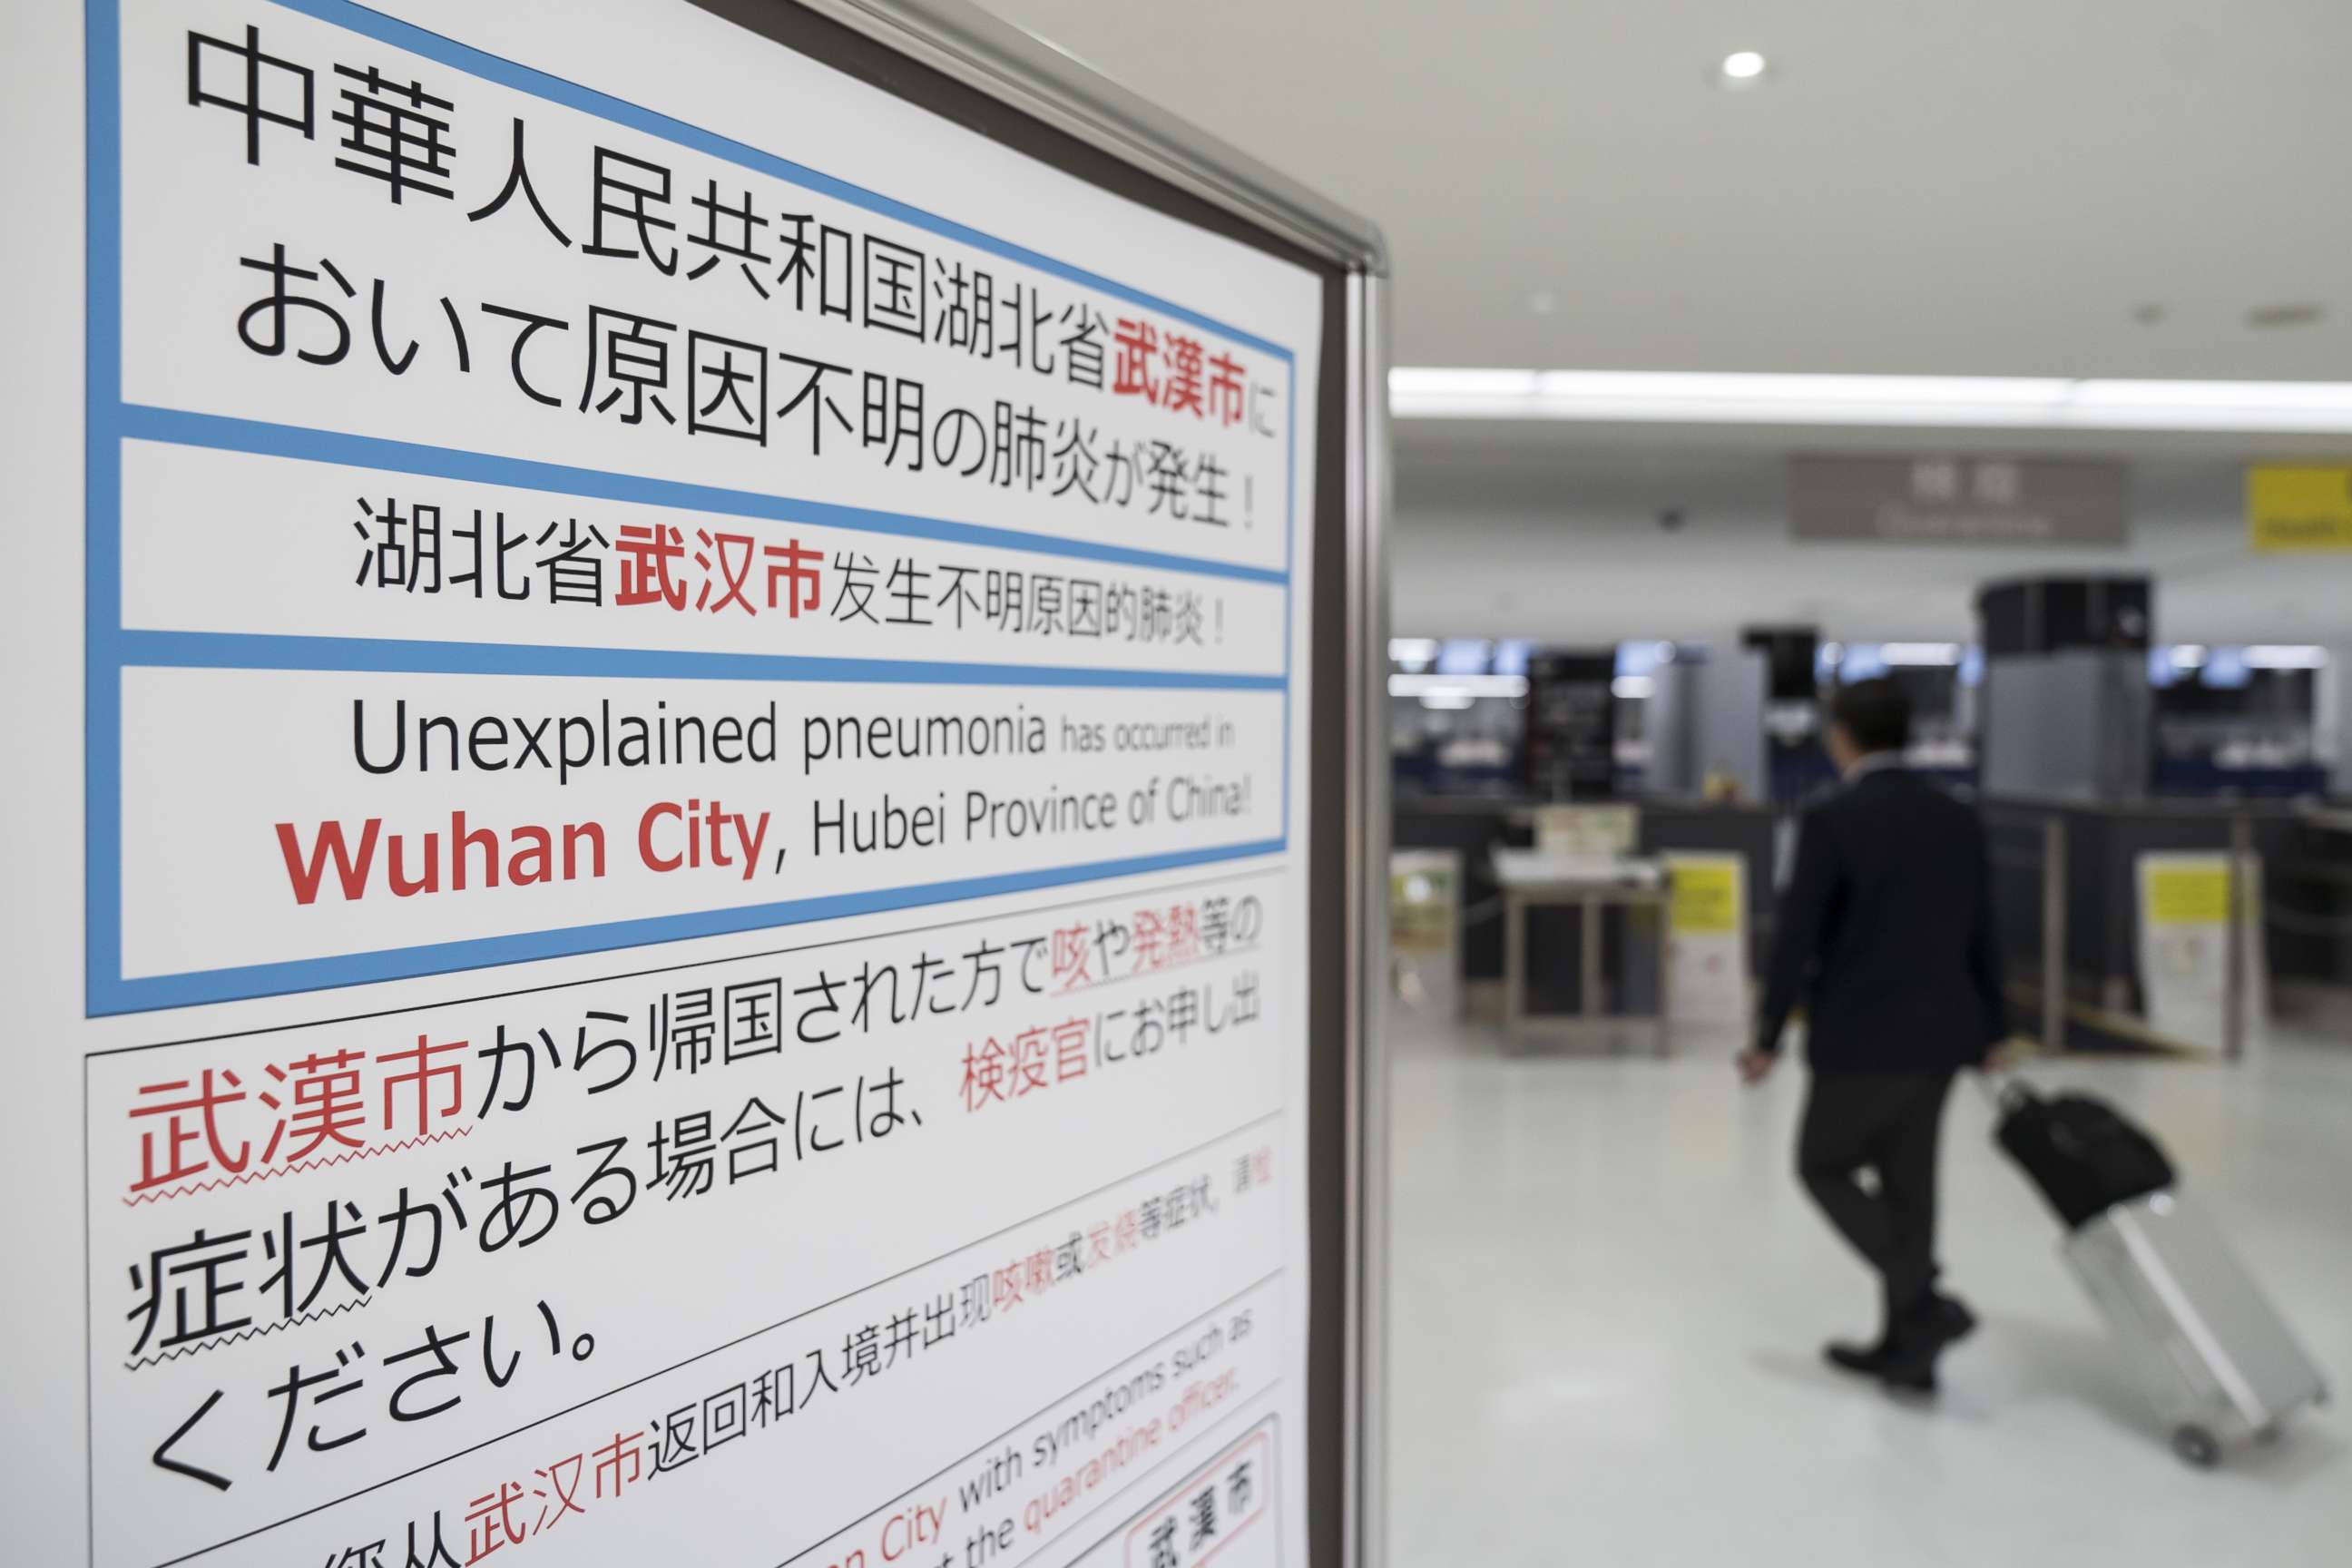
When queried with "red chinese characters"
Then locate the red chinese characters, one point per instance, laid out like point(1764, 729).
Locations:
point(214, 1128)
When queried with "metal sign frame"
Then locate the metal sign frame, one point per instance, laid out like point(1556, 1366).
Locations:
point(1348, 828)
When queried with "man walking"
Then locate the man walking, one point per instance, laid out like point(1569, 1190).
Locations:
point(1887, 937)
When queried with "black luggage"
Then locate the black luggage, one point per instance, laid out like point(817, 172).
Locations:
point(2083, 1153)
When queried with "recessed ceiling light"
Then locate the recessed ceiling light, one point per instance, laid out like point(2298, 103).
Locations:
point(1742, 67)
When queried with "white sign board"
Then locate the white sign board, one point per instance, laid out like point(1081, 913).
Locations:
point(1601, 835)
point(1706, 940)
point(1425, 930)
point(2184, 946)
point(666, 919)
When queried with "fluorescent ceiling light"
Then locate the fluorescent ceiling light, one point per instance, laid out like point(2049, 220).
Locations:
point(1742, 65)
point(1988, 402)
point(1643, 657)
point(1463, 686)
point(1414, 653)
point(1919, 653)
point(2285, 656)
point(1446, 701)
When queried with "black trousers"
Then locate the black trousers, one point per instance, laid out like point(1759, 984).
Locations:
point(1890, 1124)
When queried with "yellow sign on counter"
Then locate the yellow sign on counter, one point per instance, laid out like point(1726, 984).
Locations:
point(2188, 895)
point(1706, 894)
point(2298, 509)
point(1707, 940)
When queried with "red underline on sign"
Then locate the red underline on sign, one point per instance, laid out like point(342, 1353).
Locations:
point(241, 1177)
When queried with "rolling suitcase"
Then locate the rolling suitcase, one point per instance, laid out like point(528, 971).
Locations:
point(2215, 1358)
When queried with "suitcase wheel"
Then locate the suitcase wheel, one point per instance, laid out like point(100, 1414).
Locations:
point(2197, 1446)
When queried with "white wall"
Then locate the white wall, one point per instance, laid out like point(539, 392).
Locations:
point(1600, 574)
point(1576, 556)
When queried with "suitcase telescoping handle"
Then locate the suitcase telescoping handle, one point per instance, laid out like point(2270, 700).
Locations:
point(2003, 1088)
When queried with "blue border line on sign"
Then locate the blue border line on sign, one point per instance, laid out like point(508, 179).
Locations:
point(102, 508)
point(108, 648)
point(261, 650)
point(1289, 545)
point(222, 433)
point(479, 952)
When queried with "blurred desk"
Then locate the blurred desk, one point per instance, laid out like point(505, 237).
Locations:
point(1592, 886)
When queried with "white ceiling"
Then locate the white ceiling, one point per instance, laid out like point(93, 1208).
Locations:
point(1989, 187)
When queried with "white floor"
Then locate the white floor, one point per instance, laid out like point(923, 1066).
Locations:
point(1609, 1295)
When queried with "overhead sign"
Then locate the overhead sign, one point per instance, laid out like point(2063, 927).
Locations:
point(682, 934)
point(2299, 509)
point(1945, 500)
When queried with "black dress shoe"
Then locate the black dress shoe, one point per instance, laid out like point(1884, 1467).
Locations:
point(1910, 1378)
point(1951, 1319)
point(1909, 1364)
point(1866, 1360)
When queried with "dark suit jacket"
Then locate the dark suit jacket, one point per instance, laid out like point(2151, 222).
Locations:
point(1886, 932)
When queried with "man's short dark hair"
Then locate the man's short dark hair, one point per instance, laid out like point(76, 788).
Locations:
point(1875, 712)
